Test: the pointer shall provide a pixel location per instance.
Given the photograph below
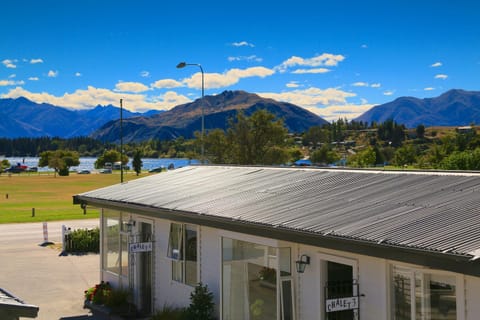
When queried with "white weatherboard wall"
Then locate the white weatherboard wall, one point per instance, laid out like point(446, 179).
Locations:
point(373, 276)
point(472, 291)
point(167, 291)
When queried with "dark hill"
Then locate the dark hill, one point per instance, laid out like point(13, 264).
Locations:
point(184, 120)
point(453, 108)
point(24, 118)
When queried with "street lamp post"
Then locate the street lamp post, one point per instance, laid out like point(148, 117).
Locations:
point(183, 65)
point(121, 140)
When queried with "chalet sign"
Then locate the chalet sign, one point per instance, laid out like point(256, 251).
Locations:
point(140, 247)
point(341, 304)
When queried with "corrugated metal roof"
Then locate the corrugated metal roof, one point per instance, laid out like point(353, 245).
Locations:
point(14, 307)
point(436, 212)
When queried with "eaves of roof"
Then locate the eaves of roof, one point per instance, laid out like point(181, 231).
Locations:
point(420, 218)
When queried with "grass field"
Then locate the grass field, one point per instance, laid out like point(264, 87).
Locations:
point(49, 196)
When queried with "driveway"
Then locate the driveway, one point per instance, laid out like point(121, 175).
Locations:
point(40, 275)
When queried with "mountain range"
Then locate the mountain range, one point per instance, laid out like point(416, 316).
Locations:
point(185, 119)
point(452, 108)
point(23, 118)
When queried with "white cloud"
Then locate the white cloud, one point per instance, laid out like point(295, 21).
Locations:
point(166, 83)
point(78, 74)
point(388, 93)
point(364, 46)
point(33, 79)
point(360, 84)
point(5, 83)
point(335, 112)
point(86, 99)
point(34, 61)
point(429, 89)
point(243, 44)
point(220, 80)
point(325, 59)
point(376, 85)
point(329, 104)
point(245, 58)
point(314, 71)
point(52, 74)
point(135, 87)
point(144, 74)
point(441, 76)
point(292, 84)
point(13, 75)
point(9, 63)
point(436, 65)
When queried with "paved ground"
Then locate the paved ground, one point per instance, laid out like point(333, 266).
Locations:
point(40, 276)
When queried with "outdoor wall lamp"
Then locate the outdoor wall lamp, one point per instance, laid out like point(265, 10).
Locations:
point(130, 224)
point(302, 263)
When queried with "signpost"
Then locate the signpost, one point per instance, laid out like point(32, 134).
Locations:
point(340, 304)
point(140, 247)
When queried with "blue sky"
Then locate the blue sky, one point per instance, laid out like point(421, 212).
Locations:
point(334, 58)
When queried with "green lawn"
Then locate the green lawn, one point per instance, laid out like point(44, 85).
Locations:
point(50, 196)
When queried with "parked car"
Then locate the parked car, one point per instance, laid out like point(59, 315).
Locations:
point(16, 168)
point(105, 171)
point(84, 171)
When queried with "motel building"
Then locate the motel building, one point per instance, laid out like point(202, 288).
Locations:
point(296, 243)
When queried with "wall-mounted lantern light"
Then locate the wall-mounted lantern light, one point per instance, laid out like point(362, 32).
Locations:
point(302, 263)
point(130, 224)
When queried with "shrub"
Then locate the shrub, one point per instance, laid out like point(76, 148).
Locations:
point(83, 240)
point(201, 304)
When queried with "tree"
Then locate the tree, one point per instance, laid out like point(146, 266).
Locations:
point(364, 158)
point(216, 146)
point(466, 160)
point(420, 131)
point(405, 155)
point(4, 164)
point(251, 137)
point(315, 136)
point(111, 156)
point(59, 160)
point(137, 161)
point(201, 303)
point(324, 155)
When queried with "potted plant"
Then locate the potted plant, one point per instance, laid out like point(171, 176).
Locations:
point(108, 302)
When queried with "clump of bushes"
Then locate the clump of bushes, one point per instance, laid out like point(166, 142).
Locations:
point(83, 240)
point(116, 300)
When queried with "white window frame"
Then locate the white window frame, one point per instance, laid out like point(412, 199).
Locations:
point(413, 270)
point(277, 245)
point(182, 259)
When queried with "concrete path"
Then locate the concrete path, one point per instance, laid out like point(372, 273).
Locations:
point(40, 275)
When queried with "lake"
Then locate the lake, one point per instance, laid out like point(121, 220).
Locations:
point(88, 163)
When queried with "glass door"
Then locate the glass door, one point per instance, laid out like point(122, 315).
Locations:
point(340, 294)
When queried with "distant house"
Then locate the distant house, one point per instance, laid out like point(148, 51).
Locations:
point(465, 129)
point(296, 243)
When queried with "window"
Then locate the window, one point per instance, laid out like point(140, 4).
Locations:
point(182, 249)
point(256, 281)
point(114, 243)
point(422, 295)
